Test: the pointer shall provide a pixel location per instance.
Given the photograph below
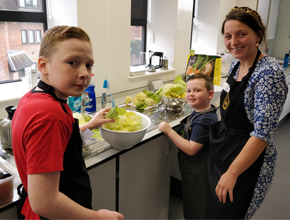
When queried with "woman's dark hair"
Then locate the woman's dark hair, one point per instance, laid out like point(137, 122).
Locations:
point(250, 18)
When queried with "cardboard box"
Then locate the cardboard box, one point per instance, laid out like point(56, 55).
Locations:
point(209, 65)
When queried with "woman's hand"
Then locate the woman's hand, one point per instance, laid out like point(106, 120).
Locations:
point(164, 127)
point(226, 185)
point(97, 121)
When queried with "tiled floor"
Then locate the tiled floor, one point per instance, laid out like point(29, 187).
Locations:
point(277, 203)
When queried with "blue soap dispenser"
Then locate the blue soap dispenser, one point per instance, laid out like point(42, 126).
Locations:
point(286, 60)
point(89, 97)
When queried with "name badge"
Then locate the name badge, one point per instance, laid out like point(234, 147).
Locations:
point(226, 87)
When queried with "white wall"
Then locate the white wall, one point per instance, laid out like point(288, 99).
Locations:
point(209, 38)
point(207, 30)
point(108, 24)
point(163, 25)
point(247, 3)
point(182, 35)
point(282, 36)
point(62, 12)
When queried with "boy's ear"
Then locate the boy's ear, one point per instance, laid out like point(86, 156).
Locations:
point(210, 95)
point(42, 65)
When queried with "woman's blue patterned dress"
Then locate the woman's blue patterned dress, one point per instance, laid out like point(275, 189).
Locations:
point(264, 98)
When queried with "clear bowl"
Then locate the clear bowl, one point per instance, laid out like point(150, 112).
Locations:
point(125, 140)
point(173, 104)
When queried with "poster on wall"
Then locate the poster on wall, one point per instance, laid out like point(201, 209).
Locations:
point(206, 64)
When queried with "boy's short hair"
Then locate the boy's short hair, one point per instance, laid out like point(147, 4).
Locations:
point(208, 80)
point(53, 36)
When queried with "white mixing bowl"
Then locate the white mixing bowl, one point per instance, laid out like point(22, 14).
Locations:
point(125, 140)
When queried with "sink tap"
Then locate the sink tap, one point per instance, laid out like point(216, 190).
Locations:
point(104, 99)
point(84, 104)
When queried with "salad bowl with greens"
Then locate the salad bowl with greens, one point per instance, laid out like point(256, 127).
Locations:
point(128, 129)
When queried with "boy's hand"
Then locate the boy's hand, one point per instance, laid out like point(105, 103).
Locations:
point(97, 121)
point(99, 118)
point(106, 214)
point(164, 127)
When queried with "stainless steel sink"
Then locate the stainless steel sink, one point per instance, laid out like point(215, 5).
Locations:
point(156, 114)
point(160, 113)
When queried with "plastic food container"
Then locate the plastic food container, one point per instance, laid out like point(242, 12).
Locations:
point(6, 186)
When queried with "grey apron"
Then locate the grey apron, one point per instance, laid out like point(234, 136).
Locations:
point(193, 169)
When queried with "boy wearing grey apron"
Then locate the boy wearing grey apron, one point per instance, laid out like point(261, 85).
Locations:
point(193, 145)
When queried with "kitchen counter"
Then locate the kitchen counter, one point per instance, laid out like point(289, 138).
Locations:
point(106, 153)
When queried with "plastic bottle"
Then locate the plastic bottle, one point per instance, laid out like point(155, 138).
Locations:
point(75, 103)
point(90, 98)
point(286, 60)
point(165, 63)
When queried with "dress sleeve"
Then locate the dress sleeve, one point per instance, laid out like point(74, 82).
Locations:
point(270, 93)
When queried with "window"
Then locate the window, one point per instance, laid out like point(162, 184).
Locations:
point(31, 37)
point(22, 24)
point(33, 4)
point(138, 30)
point(24, 36)
point(38, 36)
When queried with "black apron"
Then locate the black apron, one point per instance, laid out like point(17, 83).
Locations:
point(193, 170)
point(227, 138)
point(74, 179)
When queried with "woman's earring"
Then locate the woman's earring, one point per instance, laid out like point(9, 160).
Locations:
point(226, 51)
point(257, 45)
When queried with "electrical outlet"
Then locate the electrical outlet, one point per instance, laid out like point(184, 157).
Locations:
point(155, 84)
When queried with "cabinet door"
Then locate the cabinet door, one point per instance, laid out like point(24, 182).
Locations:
point(144, 180)
point(9, 214)
point(103, 183)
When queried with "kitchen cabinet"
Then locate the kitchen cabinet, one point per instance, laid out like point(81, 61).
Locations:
point(144, 180)
point(103, 183)
point(9, 213)
point(268, 10)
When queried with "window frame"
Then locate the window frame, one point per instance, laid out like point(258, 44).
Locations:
point(29, 16)
point(142, 23)
point(26, 5)
point(36, 41)
point(193, 16)
point(24, 31)
point(33, 35)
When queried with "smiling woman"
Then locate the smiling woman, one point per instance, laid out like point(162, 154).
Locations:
point(242, 155)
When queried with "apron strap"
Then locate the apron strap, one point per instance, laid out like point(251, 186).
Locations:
point(49, 90)
point(187, 125)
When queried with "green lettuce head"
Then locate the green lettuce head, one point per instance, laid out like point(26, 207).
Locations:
point(172, 91)
point(124, 121)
